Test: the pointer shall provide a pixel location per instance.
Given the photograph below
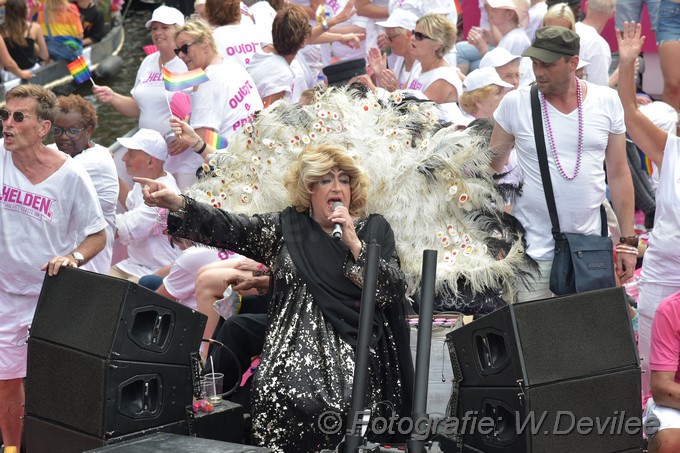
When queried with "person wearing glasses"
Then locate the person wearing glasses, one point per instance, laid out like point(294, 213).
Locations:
point(433, 38)
point(398, 32)
point(72, 131)
point(149, 100)
point(223, 104)
point(50, 219)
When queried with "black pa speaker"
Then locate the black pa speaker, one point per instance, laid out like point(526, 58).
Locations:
point(546, 340)
point(553, 375)
point(117, 319)
point(101, 397)
point(599, 413)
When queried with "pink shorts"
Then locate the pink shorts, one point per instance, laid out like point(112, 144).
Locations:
point(16, 315)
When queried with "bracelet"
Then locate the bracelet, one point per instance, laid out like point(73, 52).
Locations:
point(324, 25)
point(197, 142)
point(625, 247)
point(630, 240)
point(202, 147)
point(630, 252)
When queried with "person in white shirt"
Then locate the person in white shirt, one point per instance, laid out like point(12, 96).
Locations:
point(237, 40)
point(50, 219)
point(140, 228)
point(148, 98)
point(662, 258)
point(537, 10)
point(72, 131)
point(594, 48)
point(583, 125)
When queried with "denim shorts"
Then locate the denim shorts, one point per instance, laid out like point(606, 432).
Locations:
point(668, 28)
point(631, 10)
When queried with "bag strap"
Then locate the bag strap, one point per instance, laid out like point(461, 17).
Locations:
point(545, 170)
point(543, 161)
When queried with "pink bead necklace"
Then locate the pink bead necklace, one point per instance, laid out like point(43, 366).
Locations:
point(579, 151)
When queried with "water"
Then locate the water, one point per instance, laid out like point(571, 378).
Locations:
point(111, 123)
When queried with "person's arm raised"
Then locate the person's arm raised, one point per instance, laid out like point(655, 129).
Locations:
point(646, 135)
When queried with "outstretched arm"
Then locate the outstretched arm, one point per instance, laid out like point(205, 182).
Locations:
point(648, 137)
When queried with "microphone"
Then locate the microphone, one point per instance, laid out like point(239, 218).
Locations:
point(337, 229)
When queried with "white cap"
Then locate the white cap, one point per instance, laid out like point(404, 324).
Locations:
point(497, 57)
point(400, 18)
point(521, 7)
point(482, 77)
point(166, 15)
point(582, 63)
point(147, 140)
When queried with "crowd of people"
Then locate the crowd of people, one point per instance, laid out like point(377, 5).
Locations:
point(290, 288)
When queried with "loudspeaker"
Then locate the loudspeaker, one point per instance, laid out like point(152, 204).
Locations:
point(113, 318)
point(596, 414)
point(225, 423)
point(546, 340)
point(553, 375)
point(102, 397)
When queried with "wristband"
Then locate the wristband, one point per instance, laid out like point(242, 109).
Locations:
point(629, 240)
point(199, 151)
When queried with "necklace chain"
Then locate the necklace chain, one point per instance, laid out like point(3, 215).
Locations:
point(551, 138)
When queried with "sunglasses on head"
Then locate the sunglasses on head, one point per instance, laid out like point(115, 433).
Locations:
point(420, 36)
point(17, 116)
point(71, 131)
point(185, 48)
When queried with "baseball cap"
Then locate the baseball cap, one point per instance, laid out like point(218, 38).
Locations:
point(400, 18)
point(497, 57)
point(147, 140)
point(482, 77)
point(521, 7)
point(166, 15)
point(552, 43)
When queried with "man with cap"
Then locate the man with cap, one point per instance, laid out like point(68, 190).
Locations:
point(141, 227)
point(584, 129)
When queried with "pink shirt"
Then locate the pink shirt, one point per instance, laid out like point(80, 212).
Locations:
point(665, 350)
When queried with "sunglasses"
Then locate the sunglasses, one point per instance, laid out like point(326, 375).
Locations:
point(17, 116)
point(71, 131)
point(419, 36)
point(185, 48)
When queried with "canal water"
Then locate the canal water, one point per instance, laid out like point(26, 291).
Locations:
point(111, 123)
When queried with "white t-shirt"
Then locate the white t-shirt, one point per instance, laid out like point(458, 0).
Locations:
point(271, 74)
point(596, 51)
point(304, 77)
point(152, 98)
point(264, 14)
point(339, 50)
point(237, 43)
point(404, 77)
point(662, 258)
point(422, 7)
point(536, 13)
point(227, 101)
point(141, 229)
point(515, 41)
point(448, 73)
point(99, 164)
point(181, 281)
point(41, 221)
point(578, 200)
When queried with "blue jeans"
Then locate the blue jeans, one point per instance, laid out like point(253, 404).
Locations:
point(668, 27)
point(468, 54)
point(631, 10)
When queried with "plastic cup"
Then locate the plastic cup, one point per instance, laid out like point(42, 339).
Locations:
point(211, 388)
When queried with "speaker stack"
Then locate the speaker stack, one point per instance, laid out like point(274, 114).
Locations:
point(106, 358)
point(555, 375)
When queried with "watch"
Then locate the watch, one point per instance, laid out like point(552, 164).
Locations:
point(80, 259)
point(324, 25)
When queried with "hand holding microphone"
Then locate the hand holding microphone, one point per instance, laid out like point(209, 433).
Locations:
point(337, 228)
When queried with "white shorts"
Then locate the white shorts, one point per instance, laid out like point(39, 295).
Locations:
point(16, 315)
point(657, 417)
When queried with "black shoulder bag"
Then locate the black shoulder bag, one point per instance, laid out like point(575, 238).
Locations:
point(582, 262)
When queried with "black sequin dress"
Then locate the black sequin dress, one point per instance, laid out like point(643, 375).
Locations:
point(303, 385)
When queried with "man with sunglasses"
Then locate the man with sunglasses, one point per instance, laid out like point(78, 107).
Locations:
point(50, 219)
point(72, 131)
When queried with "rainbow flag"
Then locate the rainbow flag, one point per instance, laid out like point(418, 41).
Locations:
point(79, 70)
point(646, 163)
point(215, 140)
point(180, 81)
